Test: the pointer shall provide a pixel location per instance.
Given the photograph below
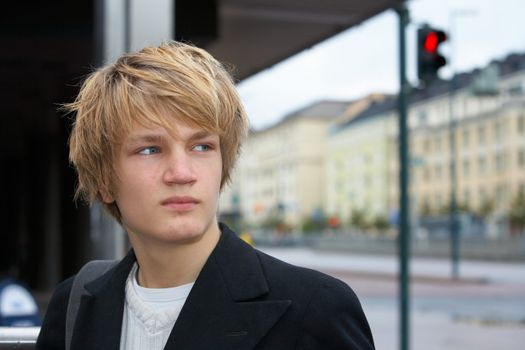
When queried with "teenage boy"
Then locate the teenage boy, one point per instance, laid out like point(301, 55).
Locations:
point(155, 139)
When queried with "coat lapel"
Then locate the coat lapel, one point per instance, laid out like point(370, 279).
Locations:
point(226, 308)
point(101, 309)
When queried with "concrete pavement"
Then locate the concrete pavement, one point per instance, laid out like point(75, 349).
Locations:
point(496, 272)
point(483, 309)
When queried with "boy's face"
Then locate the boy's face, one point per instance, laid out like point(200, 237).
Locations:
point(168, 188)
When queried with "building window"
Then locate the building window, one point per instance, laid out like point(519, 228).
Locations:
point(481, 135)
point(466, 165)
point(482, 194)
point(426, 174)
point(437, 141)
point(426, 145)
point(426, 205)
point(466, 197)
point(482, 166)
point(422, 118)
point(498, 131)
point(521, 158)
point(500, 194)
point(367, 181)
point(521, 124)
point(437, 172)
point(465, 138)
point(515, 90)
point(339, 185)
point(438, 200)
point(499, 160)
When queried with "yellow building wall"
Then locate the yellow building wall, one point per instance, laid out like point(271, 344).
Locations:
point(358, 176)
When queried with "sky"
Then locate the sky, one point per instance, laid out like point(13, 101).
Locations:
point(364, 59)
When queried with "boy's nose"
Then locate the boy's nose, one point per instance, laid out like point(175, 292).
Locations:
point(179, 170)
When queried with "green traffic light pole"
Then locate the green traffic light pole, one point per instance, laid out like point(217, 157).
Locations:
point(404, 205)
point(453, 214)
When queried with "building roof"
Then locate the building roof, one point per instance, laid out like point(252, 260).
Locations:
point(513, 63)
point(510, 64)
point(319, 110)
point(325, 109)
point(376, 108)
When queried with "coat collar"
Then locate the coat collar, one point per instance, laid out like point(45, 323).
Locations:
point(227, 307)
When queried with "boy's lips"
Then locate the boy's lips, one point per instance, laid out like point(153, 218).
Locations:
point(180, 203)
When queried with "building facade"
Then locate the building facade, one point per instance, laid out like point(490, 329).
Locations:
point(359, 157)
point(340, 159)
point(487, 152)
point(281, 177)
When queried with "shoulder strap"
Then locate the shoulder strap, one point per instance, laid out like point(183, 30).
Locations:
point(89, 272)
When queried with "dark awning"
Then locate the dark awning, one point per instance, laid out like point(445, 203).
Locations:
point(256, 34)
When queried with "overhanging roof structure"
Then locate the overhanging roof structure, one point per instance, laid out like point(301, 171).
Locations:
point(256, 34)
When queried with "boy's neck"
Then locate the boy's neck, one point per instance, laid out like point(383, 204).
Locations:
point(164, 265)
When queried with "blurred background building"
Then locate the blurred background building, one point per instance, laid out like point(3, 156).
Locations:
point(339, 160)
point(282, 176)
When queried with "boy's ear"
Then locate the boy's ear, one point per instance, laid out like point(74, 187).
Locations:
point(106, 196)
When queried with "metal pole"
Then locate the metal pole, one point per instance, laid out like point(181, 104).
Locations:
point(453, 213)
point(404, 221)
point(453, 220)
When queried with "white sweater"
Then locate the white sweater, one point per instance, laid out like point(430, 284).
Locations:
point(149, 314)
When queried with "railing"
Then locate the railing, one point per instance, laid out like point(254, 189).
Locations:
point(23, 338)
point(471, 247)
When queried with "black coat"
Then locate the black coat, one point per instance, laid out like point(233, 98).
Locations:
point(242, 299)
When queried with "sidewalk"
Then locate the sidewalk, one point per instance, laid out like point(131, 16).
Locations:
point(420, 268)
point(484, 309)
point(438, 331)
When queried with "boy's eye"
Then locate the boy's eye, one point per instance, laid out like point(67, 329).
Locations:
point(201, 148)
point(149, 150)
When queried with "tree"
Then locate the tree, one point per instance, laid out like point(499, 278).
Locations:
point(516, 214)
point(316, 222)
point(275, 223)
point(487, 207)
point(310, 225)
point(358, 219)
point(425, 210)
point(380, 222)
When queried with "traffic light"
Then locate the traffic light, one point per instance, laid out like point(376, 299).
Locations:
point(429, 59)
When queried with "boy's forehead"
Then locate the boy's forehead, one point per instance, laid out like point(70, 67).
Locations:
point(176, 130)
point(164, 115)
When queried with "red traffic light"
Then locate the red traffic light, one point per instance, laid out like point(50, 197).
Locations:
point(432, 40)
point(429, 59)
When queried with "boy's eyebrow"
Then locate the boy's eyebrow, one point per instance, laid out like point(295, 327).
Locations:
point(158, 138)
point(200, 135)
point(144, 138)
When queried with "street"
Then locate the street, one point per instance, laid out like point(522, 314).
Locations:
point(483, 309)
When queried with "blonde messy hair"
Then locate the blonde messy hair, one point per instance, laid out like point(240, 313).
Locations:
point(152, 87)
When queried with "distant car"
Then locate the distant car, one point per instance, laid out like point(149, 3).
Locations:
point(18, 308)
